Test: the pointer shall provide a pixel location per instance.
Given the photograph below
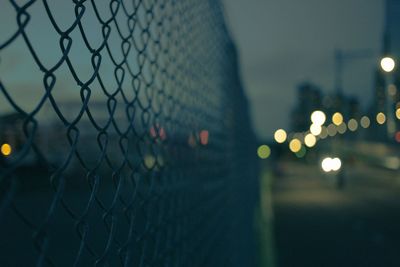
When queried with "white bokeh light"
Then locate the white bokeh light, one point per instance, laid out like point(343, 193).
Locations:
point(336, 164)
point(331, 164)
point(315, 129)
point(326, 164)
point(318, 117)
point(387, 64)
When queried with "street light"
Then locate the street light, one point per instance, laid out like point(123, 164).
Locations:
point(295, 145)
point(365, 122)
point(331, 164)
point(318, 117)
point(310, 140)
point(263, 151)
point(280, 136)
point(6, 150)
point(387, 64)
point(337, 118)
point(315, 129)
point(380, 118)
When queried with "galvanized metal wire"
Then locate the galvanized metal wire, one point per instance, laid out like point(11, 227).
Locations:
point(129, 133)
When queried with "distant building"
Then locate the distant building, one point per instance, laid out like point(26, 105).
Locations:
point(309, 99)
point(354, 110)
point(391, 30)
point(390, 47)
point(335, 102)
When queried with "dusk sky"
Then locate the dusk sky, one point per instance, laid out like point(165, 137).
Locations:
point(284, 42)
point(281, 44)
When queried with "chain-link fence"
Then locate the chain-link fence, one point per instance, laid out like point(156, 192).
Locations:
point(125, 136)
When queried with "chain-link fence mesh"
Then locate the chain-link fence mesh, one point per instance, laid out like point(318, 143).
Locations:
point(125, 136)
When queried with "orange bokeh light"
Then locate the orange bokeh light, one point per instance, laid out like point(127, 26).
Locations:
point(397, 137)
point(204, 136)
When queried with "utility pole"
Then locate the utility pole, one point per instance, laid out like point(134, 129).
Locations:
point(342, 58)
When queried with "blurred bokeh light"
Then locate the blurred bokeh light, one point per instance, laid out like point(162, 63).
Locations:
point(280, 136)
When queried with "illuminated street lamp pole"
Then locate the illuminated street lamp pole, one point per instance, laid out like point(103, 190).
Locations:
point(388, 64)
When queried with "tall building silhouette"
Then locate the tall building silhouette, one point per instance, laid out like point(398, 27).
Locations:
point(390, 47)
point(309, 99)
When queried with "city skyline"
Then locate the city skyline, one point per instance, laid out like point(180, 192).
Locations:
point(280, 49)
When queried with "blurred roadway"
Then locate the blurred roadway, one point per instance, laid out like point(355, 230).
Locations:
point(317, 225)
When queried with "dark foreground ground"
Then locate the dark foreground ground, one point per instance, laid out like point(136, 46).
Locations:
point(317, 225)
